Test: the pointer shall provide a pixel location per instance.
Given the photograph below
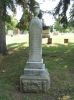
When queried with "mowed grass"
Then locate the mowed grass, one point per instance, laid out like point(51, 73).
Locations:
point(59, 61)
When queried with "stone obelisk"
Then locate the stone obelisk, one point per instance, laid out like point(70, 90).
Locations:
point(36, 77)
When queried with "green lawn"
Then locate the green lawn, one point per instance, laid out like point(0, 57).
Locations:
point(58, 59)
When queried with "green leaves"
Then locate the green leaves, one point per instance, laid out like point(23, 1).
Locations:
point(11, 24)
point(61, 10)
point(3, 7)
point(24, 21)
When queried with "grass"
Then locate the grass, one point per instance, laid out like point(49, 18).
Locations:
point(58, 59)
point(60, 62)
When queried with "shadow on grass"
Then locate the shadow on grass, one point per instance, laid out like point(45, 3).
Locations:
point(58, 59)
point(16, 46)
point(12, 65)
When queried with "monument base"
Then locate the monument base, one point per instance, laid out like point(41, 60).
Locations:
point(35, 65)
point(35, 80)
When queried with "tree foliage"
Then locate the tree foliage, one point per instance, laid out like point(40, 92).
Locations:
point(58, 26)
point(3, 18)
point(11, 25)
point(3, 5)
point(72, 12)
point(61, 10)
point(27, 4)
point(24, 21)
point(28, 12)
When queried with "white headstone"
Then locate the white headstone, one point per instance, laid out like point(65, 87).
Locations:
point(36, 77)
point(35, 40)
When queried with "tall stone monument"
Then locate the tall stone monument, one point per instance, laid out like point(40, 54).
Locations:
point(36, 77)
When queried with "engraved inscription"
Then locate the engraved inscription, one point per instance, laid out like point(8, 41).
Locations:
point(32, 85)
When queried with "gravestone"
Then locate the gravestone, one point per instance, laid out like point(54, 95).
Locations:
point(36, 76)
point(49, 40)
point(65, 40)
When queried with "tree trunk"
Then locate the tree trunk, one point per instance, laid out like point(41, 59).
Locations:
point(3, 48)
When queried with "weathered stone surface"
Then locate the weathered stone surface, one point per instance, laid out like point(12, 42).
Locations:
point(35, 40)
point(35, 83)
point(34, 65)
point(36, 77)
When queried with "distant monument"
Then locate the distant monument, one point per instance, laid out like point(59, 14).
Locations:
point(36, 77)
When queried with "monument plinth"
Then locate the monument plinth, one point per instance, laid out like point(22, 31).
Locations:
point(36, 76)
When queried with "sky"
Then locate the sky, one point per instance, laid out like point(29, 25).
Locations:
point(48, 5)
point(19, 12)
point(45, 5)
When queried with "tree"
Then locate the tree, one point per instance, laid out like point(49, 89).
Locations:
point(71, 18)
point(59, 26)
point(61, 10)
point(11, 24)
point(28, 12)
point(3, 18)
point(24, 21)
point(3, 5)
point(29, 4)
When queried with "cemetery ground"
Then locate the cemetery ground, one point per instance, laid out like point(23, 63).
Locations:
point(59, 59)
